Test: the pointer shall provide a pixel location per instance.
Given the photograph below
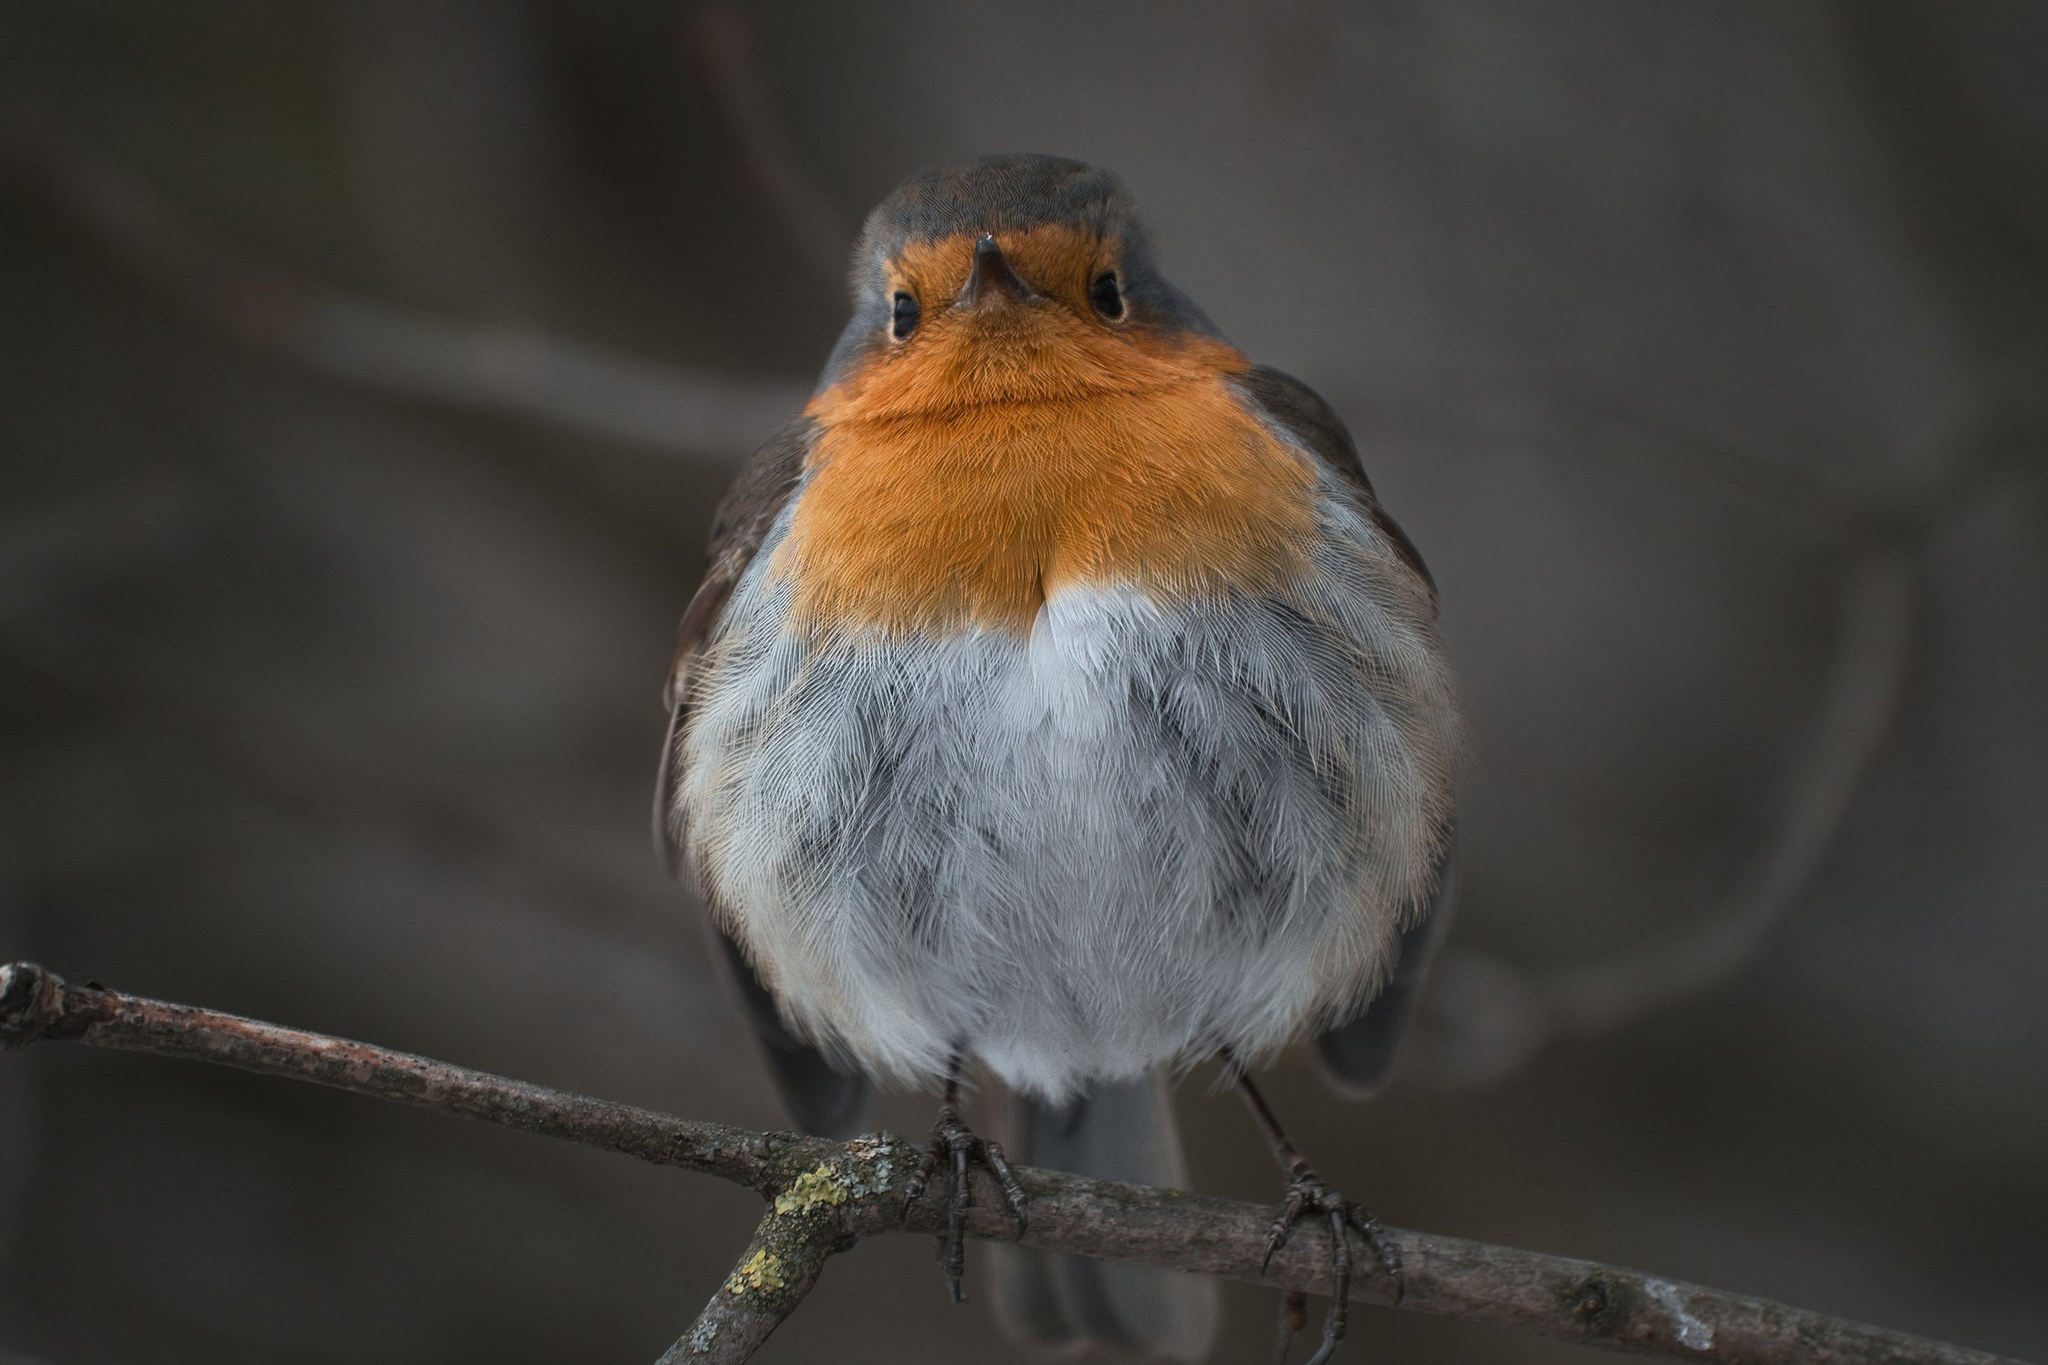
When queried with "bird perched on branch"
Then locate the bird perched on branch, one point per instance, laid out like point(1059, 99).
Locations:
point(1060, 702)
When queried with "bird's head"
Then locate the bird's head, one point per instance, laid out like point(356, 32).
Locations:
point(1008, 279)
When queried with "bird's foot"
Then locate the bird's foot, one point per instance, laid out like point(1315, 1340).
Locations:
point(1309, 1198)
point(953, 1142)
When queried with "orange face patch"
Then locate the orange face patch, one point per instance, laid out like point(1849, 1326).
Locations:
point(1009, 450)
point(1053, 258)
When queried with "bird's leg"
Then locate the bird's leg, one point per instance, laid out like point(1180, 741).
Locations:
point(952, 1141)
point(1309, 1197)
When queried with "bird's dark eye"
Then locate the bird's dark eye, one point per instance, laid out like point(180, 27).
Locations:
point(903, 317)
point(1107, 295)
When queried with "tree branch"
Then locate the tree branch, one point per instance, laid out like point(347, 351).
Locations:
point(825, 1194)
point(777, 1269)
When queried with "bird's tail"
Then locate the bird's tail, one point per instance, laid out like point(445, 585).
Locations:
point(1070, 1305)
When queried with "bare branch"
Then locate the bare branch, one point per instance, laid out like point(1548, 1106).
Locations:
point(777, 1269)
point(500, 368)
point(38, 1006)
point(719, 47)
point(855, 1189)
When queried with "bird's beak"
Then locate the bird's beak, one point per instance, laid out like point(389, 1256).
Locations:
point(992, 276)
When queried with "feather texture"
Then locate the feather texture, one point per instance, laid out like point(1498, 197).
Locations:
point(1144, 830)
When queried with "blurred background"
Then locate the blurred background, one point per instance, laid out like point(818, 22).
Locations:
point(368, 372)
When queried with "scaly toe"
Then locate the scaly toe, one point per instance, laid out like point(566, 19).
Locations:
point(955, 1144)
point(1308, 1196)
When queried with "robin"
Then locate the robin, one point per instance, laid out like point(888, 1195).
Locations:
point(1060, 701)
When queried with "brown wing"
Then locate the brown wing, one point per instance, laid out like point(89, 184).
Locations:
point(741, 523)
point(1303, 413)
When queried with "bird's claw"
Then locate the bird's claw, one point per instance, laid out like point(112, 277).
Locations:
point(955, 1143)
point(1309, 1197)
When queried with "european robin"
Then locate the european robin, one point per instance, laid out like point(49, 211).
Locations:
point(1060, 699)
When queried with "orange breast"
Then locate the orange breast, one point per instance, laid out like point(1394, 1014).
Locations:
point(962, 483)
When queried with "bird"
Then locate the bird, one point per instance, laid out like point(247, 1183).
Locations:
point(1060, 706)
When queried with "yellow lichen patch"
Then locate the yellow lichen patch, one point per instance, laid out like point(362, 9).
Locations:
point(762, 1270)
point(811, 1189)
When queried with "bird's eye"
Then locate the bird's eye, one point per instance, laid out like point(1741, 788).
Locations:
point(903, 317)
point(1107, 295)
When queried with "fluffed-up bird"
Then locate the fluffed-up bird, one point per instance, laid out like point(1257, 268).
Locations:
point(1060, 706)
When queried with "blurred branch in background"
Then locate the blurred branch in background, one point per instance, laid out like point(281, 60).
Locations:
point(516, 370)
point(54, 551)
point(823, 1196)
point(720, 52)
point(1485, 1017)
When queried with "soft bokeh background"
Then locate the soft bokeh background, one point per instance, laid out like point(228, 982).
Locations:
point(1701, 347)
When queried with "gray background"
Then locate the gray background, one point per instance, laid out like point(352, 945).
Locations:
point(1671, 332)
